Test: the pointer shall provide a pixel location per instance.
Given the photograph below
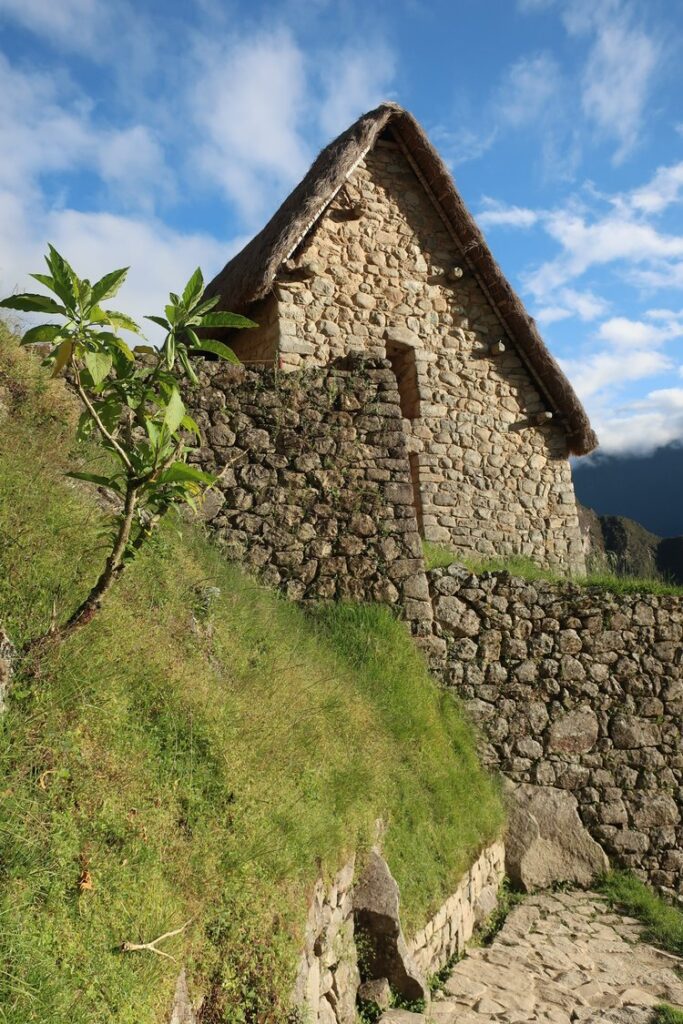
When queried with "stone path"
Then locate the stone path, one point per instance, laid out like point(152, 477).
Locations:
point(560, 957)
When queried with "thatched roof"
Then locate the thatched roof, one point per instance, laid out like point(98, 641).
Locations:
point(250, 274)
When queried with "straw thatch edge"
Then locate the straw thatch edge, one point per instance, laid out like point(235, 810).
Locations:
point(250, 274)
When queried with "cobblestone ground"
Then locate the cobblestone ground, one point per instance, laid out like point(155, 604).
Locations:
point(559, 958)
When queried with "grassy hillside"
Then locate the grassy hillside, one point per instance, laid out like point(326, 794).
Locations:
point(197, 753)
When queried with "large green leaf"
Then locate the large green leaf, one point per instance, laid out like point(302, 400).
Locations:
point(101, 481)
point(160, 321)
point(175, 411)
point(122, 320)
point(32, 302)
point(63, 356)
point(219, 349)
point(193, 289)
point(99, 365)
point(43, 332)
point(108, 285)
point(223, 319)
point(180, 472)
point(65, 280)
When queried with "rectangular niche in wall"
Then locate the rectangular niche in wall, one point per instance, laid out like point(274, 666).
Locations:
point(402, 359)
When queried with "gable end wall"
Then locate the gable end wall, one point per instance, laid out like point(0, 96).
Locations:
point(492, 482)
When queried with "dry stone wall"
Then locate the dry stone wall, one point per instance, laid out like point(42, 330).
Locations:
point(314, 491)
point(472, 902)
point(492, 474)
point(580, 689)
point(329, 974)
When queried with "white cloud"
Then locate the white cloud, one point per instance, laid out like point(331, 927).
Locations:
point(620, 67)
point(160, 258)
point(611, 369)
point(74, 24)
point(355, 80)
point(249, 101)
point(499, 214)
point(527, 89)
point(584, 304)
point(665, 187)
point(48, 128)
point(643, 425)
point(625, 334)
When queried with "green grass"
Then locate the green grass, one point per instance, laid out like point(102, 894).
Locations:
point(665, 1014)
point(194, 755)
point(438, 556)
point(663, 921)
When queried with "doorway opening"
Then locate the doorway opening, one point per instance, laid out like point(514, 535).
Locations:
point(402, 359)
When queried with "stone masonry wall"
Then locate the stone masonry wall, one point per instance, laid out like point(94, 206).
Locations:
point(328, 977)
point(491, 478)
point(581, 689)
point(314, 491)
point(453, 925)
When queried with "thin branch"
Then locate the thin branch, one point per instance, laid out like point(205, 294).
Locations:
point(100, 425)
point(151, 947)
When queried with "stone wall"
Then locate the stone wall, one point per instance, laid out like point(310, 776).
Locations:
point(314, 491)
point(493, 475)
point(474, 899)
point(580, 689)
point(329, 977)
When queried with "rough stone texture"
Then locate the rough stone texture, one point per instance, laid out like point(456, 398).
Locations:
point(558, 958)
point(472, 902)
point(545, 841)
point(328, 978)
point(491, 473)
point(7, 655)
point(376, 913)
point(314, 491)
point(579, 689)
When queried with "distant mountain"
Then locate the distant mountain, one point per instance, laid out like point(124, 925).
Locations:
point(629, 549)
point(645, 488)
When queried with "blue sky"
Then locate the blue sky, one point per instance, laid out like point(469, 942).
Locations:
point(162, 135)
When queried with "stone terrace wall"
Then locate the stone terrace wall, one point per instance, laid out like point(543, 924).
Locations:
point(315, 491)
point(581, 689)
point(492, 478)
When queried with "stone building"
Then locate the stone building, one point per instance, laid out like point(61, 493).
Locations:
point(374, 252)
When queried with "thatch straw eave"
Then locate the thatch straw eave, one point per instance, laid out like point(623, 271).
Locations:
point(249, 275)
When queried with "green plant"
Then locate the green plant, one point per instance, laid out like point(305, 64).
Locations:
point(663, 921)
point(133, 406)
point(665, 1014)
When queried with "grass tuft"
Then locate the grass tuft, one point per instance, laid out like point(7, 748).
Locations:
point(200, 751)
point(438, 556)
point(663, 921)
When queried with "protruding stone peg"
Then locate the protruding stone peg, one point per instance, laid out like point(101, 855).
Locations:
point(497, 348)
point(544, 417)
point(455, 273)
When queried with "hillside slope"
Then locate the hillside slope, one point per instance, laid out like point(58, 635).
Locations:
point(196, 754)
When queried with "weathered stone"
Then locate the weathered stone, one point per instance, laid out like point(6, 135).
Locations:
point(455, 614)
point(377, 991)
point(628, 732)
point(546, 841)
point(574, 733)
point(376, 912)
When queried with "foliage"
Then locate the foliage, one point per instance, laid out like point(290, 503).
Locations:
point(662, 920)
point(200, 751)
point(134, 406)
point(665, 1014)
